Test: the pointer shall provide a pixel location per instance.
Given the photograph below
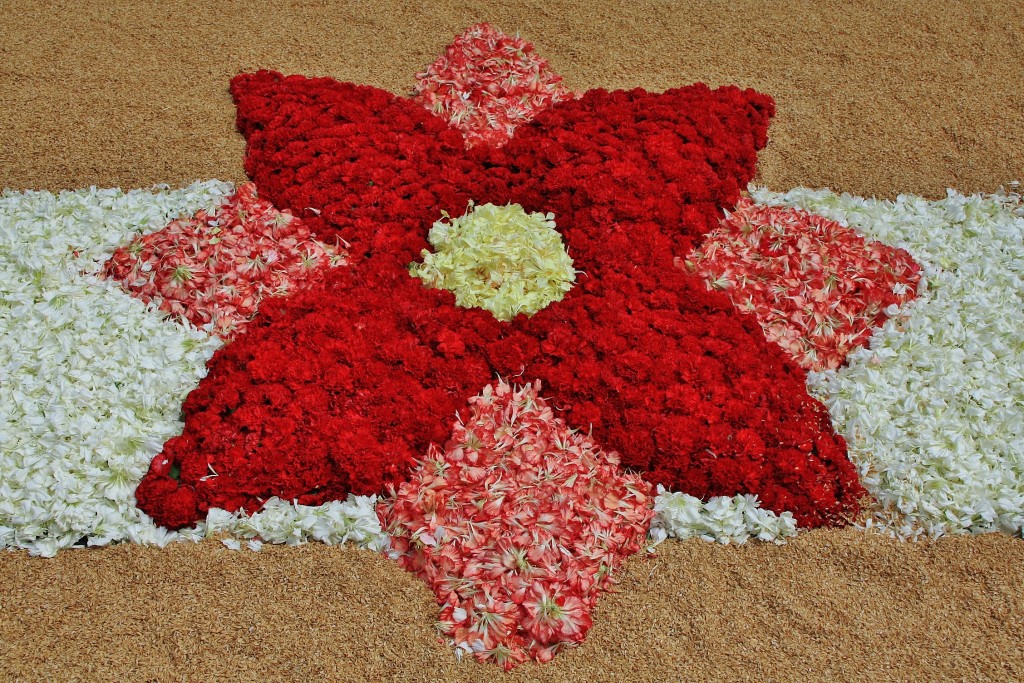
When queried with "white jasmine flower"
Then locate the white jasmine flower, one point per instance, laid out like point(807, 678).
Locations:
point(335, 523)
point(720, 520)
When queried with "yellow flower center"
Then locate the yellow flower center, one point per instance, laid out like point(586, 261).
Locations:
point(498, 258)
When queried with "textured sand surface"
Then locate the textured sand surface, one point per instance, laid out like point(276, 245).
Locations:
point(831, 606)
point(874, 98)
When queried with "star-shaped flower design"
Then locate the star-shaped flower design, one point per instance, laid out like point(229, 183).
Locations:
point(339, 388)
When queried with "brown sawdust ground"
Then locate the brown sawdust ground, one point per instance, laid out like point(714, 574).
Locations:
point(874, 98)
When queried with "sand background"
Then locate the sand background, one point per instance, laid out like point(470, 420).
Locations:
point(875, 98)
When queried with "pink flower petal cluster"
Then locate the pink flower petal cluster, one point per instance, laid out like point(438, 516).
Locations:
point(816, 287)
point(215, 268)
point(516, 525)
point(487, 83)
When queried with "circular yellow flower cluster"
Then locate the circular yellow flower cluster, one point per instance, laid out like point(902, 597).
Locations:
point(498, 258)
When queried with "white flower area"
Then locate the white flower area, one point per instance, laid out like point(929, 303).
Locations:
point(92, 381)
point(334, 523)
point(933, 410)
point(722, 519)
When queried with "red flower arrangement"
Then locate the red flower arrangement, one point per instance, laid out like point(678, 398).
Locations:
point(816, 287)
point(338, 388)
point(215, 268)
point(517, 525)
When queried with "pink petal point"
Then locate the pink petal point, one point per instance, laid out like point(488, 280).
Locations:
point(844, 286)
point(488, 83)
point(535, 522)
point(191, 260)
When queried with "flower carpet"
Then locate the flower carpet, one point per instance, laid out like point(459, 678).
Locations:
point(508, 335)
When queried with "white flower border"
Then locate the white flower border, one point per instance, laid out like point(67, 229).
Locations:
point(80, 419)
point(720, 520)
